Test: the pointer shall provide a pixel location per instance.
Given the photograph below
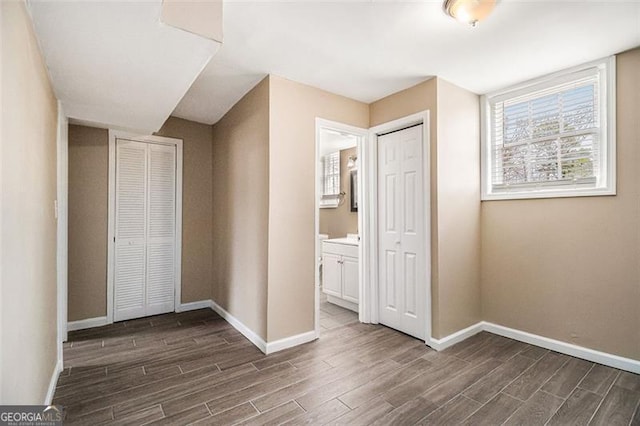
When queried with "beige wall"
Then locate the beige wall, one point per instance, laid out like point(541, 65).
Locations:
point(241, 209)
point(341, 221)
point(28, 247)
point(88, 215)
point(197, 206)
point(456, 302)
point(416, 99)
point(455, 196)
point(568, 268)
point(88, 200)
point(294, 108)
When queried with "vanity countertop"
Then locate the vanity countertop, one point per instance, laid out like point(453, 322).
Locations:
point(344, 240)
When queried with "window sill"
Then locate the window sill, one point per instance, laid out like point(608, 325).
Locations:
point(329, 205)
point(559, 193)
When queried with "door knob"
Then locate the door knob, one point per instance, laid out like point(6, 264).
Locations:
point(397, 242)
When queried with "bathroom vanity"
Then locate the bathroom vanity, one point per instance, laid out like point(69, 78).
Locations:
point(340, 271)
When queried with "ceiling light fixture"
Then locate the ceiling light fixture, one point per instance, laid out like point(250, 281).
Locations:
point(468, 11)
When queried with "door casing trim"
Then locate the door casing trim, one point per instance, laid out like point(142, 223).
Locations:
point(363, 267)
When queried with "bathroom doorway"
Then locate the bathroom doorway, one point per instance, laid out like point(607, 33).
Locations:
point(339, 237)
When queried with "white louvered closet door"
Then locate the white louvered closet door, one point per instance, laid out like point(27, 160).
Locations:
point(161, 227)
point(145, 229)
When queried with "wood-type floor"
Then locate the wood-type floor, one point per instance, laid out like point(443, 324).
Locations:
point(193, 367)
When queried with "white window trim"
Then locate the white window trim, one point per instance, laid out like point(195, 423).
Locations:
point(608, 111)
point(330, 201)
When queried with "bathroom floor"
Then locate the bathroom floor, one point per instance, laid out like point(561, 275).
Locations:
point(333, 316)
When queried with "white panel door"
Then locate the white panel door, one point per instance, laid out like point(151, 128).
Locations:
point(144, 276)
point(401, 231)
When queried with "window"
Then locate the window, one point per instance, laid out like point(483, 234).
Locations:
point(551, 137)
point(330, 180)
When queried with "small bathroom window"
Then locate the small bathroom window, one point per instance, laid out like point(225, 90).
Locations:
point(330, 180)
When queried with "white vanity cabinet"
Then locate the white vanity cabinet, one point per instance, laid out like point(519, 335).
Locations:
point(340, 272)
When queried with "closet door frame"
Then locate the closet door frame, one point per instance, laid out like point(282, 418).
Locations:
point(160, 140)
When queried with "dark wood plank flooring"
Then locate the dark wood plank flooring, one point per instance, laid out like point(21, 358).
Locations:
point(193, 367)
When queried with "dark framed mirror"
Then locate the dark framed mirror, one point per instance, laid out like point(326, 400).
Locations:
point(354, 190)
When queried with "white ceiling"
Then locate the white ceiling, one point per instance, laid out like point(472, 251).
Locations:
point(114, 64)
point(332, 141)
point(367, 50)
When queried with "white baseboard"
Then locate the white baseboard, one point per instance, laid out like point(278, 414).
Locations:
point(343, 303)
point(192, 306)
point(100, 321)
point(604, 358)
point(87, 323)
point(592, 355)
point(238, 325)
point(289, 342)
point(265, 347)
point(457, 337)
point(53, 382)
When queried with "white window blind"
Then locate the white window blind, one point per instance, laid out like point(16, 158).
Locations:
point(330, 180)
point(550, 137)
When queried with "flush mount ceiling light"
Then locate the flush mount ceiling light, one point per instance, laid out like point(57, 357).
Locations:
point(469, 11)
